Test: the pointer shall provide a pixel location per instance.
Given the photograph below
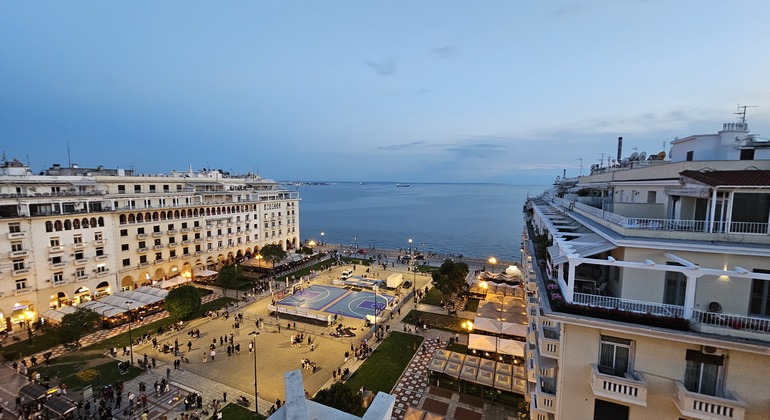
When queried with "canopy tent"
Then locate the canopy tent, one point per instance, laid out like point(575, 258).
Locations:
point(414, 414)
point(511, 347)
point(513, 271)
point(33, 391)
point(469, 373)
point(485, 377)
point(204, 272)
point(503, 381)
point(173, 282)
point(437, 365)
point(154, 291)
point(504, 368)
point(472, 361)
point(487, 324)
point(486, 364)
point(481, 342)
point(481, 371)
point(57, 315)
point(510, 328)
point(442, 354)
point(59, 407)
point(456, 357)
point(453, 369)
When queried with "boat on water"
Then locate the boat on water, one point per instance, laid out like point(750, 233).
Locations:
point(402, 185)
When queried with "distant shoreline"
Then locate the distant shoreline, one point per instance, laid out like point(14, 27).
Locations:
point(433, 259)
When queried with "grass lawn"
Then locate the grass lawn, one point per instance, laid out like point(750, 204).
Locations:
point(381, 371)
point(41, 341)
point(64, 370)
point(433, 297)
point(472, 305)
point(442, 322)
point(237, 412)
point(457, 348)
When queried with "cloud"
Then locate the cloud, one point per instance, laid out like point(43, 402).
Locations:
point(445, 52)
point(566, 11)
point(478, 150)
point(383, 68)
point(401, 146)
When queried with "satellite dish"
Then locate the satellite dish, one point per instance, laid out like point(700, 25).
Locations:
point(624, 162)
point(643, 156)
point(634, 156)
point(661, 155)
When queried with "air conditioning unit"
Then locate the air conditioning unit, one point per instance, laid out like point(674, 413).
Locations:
point(715, 351)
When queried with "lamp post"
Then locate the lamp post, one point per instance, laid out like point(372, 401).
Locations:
point(355, 242)
point(493, 261)
point(256, 386)
point(410, 247)
point(259, 260)
point(322, 238)
point(130, 339)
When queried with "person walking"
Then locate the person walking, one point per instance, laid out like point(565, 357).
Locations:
point(168, 373)
point(213, 355)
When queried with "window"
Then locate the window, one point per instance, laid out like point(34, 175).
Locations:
point(98, 236)
point(615, 355)
point(126, 262)
point(184, 225)
point(759, 303)
point(186, 250)
point(152, 188)
point(172, 253)
point(142, 244)
point(80, 272)
point(703, 373)
point(184, 238)
point(157, 242)
point(140, 231)
point(101, 268)
point(18, 265)
point(196, 224)
point(609, 410)
point(14, 227)
point(137, 188)
point(179, 188)
point(79, 255)
point(124, 247)
point(156, 228)
point(77, 239)
point(165, 188)
point(124, 232)
point(690, 156)
point(21, 284)
point(16, 246)
point(197, 236)
point(172, 240)
point(170, 226)
point(55, 241)
point(142, 259)
point(747, 154)
point(198, 248)
point(99, 251)
point(55, 260)
point(158, 256)
point(674, 287)
point(58, 277)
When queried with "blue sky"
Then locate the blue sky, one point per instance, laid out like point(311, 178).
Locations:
point(431, 91)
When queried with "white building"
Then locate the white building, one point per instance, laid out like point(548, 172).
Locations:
point(73, 234)
point(650, 286)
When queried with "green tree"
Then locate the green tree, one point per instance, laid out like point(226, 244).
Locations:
point(77, 324)
point(450, 277)
point(273, 253)
point(183, 302)
point(306, 250)
point(228, 278)
point(340, 397)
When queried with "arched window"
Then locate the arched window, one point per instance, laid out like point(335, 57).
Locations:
point(101, 221)
point(84, 223)
point(67, 225)
point(122, 219)
point(155, 216)
point(76, 224)
point(48, 226)
point(57, 226)
point(139, 218)
point(131, 218)
point(93, 222)
point(176, 214)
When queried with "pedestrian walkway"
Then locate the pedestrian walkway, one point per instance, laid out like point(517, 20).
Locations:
point(410, 387)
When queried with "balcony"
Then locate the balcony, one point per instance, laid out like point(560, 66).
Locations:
point(21, 272)
point(17, 235)
point(631, 389)
point(100, 242)
point(79, 245)
point(18, 254)
point(23, 291)
point(730, 325)
point(141, 236)
point(187, 242)
point(143, 264)
point(157, 234)
point(103, 273)
point(56, 248)
point(172, 245)
point(101, 257)
point(81, 261)
point(58, 265)
point(198, 252)
point(185, 230)
point(188, 255)
point(59, 283)
point(629, 305)
point(706, 407)
point(174, 257)
point(142, 250)
point(544, 397)
point(198, 240)
point(82, 278)
point(158, 247)
point(197, 228)
point(548, 342)
point(171, 231)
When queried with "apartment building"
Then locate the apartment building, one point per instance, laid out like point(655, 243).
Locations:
point(649, 285)
point(74, 234)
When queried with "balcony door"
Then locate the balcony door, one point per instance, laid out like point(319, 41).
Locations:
point(703, 373)
point(674, 287)
point(759, 304)
point(604, 410)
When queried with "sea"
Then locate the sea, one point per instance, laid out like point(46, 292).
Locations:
point(474, 220)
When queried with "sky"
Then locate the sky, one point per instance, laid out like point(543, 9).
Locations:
point(406, 91)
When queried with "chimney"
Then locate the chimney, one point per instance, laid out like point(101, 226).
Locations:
point(620, 148)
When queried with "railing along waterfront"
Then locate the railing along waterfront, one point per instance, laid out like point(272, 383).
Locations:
point(660, 309)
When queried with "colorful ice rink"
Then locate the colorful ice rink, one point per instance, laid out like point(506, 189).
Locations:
point(338, 301)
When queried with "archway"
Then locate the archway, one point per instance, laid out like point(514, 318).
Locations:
point(144, 278)
point(159, 274)
point(58, 300)
point(23, 314)
point(102, 289)
point(81, 295)
point(127, 283)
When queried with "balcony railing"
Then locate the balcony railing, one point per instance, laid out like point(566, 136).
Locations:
point(735, 322)
point(545, 395)
point(101, 257)
point(56, 248)
point(631, 388)
point(24, 291)
point(17, 254)
point(707, 407)
point(21, 272)
point(659, 309)
point(157, 234)
point(141, 236)
point(17, 235)
point(79, 245)
point(142, 249)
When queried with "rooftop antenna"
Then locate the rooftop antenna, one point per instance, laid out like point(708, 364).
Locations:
point(69, 157)
point(581, 165)
point(601, 161)
point(4, 157)
point(742, 112)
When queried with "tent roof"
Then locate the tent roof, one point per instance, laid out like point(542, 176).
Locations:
point(33, 391)
point(511, 347)
point(481, 342)
point(60, 405)
point(485, 377)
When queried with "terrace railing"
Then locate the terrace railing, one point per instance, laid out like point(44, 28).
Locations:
point(659, 309)
point(737, 322)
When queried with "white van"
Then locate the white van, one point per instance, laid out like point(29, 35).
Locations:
point(346, 274)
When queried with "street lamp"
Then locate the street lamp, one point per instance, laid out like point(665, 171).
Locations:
point(410, 247)
point(493, 261)
point(259, 260)
point(256, 387)
point(322, 238)
point(130, 339)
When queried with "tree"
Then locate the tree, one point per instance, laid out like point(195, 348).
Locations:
point(340, 397)
point(306, 250)
point(77, 324)
point(273, 253)
point(228, 278)
point(183, 302)
point(450, 277)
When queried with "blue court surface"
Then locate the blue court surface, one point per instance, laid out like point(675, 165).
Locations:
point(338, 301)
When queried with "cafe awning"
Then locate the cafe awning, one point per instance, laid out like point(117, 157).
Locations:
point(33, 391)
point(59, 406)
point(203, 272)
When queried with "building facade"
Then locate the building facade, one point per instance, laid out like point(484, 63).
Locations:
point(649, 286)
point(70, 235)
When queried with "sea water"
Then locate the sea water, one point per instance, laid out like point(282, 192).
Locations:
point(476, 220)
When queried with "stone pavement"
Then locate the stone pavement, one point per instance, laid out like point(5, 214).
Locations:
point(410, 387)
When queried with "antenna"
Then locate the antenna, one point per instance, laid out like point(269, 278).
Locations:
point(69, 157)
point(742, 112)
point(601, 161)
point(581, 165)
